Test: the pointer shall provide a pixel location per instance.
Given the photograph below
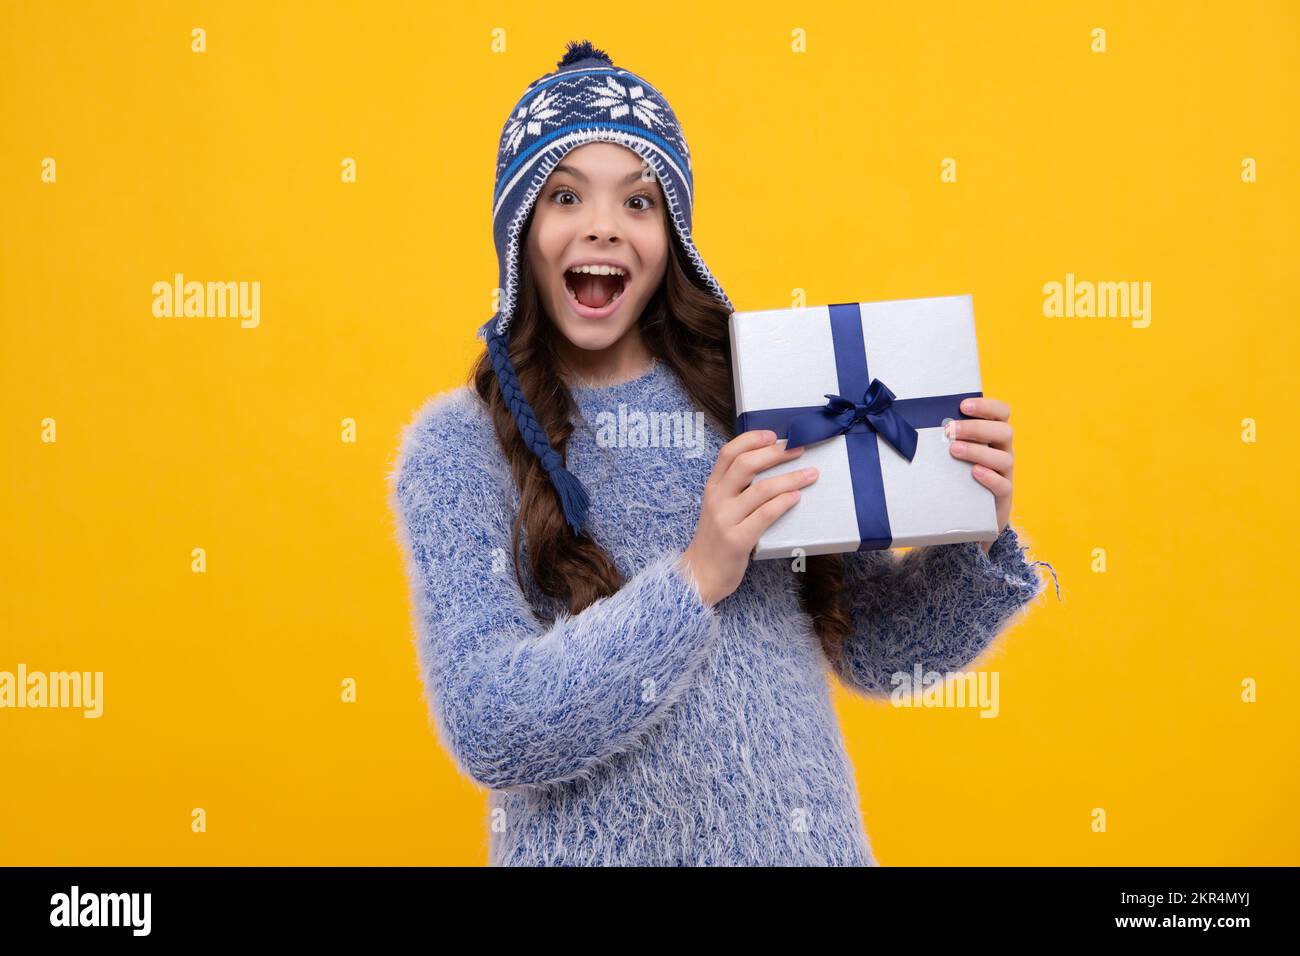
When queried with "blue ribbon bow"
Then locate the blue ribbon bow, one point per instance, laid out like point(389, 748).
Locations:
point(880, 413)
point(840, 414)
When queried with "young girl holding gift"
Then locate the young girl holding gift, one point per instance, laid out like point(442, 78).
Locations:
point(628, 685)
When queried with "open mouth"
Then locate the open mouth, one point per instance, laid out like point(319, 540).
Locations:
point(594, 291)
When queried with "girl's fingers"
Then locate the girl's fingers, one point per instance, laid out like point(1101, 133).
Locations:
point(752, 528)
point(1000, 485)
point(761, 491)
point(986, 408)
point(994, 433)
point(745, 441)
point(985, 441)
point(994, 458)
point(749, 463)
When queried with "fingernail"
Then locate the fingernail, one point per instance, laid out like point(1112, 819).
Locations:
point(770, 436)
point(959, 448)
point(810, 472)
point(967, 404)
point(950, 429)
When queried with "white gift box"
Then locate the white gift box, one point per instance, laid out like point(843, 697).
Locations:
point(868, 494)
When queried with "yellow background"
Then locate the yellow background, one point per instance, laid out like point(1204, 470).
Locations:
point(815, 171)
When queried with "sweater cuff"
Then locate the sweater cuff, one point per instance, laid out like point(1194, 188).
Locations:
point(1006, 567)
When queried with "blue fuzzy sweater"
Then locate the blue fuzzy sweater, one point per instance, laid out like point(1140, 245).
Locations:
point(650, 729)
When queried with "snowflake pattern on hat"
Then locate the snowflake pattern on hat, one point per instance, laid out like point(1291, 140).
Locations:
point(620, 100)
point(528, 120)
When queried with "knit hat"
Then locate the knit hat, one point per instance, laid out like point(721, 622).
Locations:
point(587, 99)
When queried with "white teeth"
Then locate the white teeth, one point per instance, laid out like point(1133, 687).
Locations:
point(599, 270)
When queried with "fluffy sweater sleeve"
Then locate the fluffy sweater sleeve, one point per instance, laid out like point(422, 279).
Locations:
point(518, 703)
point(939, 606)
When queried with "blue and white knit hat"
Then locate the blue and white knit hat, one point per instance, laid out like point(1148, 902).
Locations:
point(587, 99)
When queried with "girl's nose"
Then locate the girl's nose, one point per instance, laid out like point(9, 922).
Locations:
point(602, 232)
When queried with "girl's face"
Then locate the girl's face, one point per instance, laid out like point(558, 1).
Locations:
point(602, 202)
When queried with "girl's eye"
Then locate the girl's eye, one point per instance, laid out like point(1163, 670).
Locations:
point(562, 190)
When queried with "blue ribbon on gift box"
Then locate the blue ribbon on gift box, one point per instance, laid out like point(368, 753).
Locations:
point(878, 412)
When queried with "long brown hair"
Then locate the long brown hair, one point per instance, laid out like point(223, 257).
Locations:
point(684, 326)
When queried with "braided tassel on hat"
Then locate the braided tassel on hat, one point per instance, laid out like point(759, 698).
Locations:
point(573, 497)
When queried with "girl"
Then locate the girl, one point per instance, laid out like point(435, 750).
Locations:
point(630, 688)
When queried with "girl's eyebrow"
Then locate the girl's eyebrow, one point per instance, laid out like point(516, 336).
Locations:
point(578, 174)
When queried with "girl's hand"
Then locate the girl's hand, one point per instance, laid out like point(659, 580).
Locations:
point(985, 441)
point(734, 512)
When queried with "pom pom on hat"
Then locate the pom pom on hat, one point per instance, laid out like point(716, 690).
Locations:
point(583, 51)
